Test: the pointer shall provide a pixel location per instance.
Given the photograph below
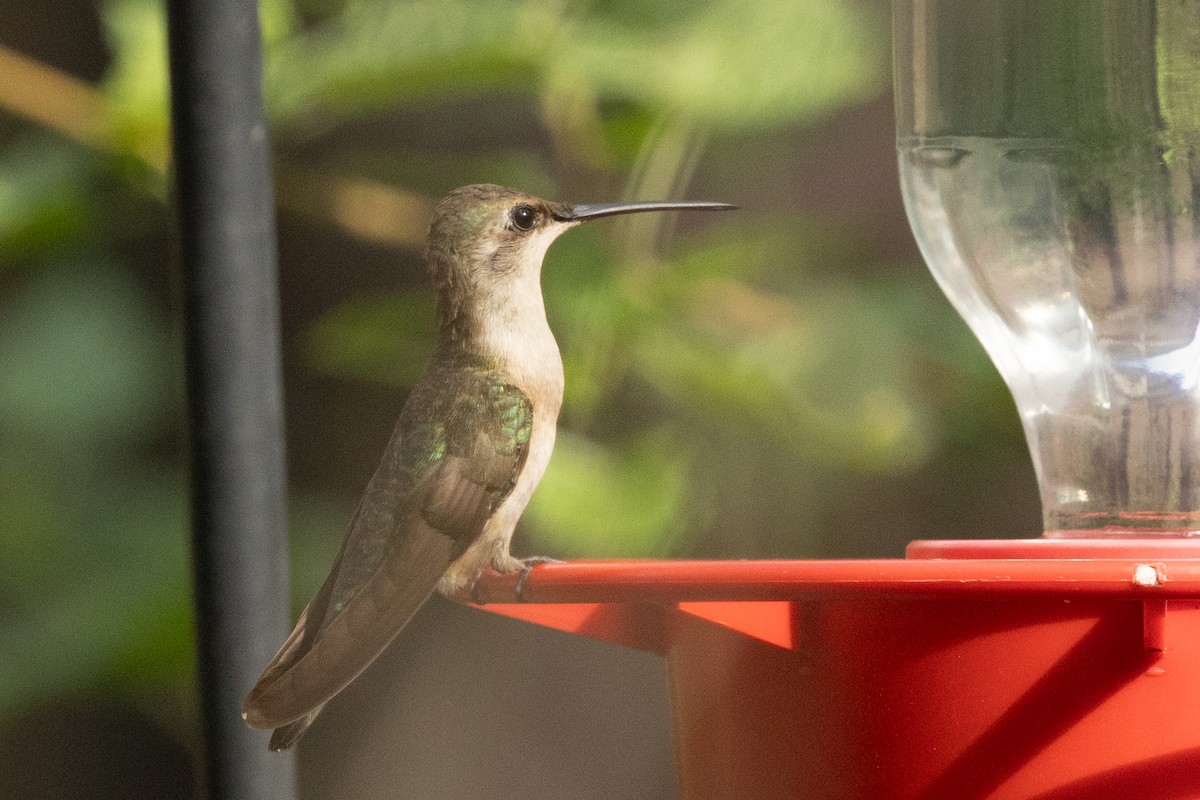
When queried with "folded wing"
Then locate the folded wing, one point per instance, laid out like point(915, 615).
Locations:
point(452, 460)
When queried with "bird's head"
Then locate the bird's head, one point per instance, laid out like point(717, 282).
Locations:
point(484, 235)
point(486, 244)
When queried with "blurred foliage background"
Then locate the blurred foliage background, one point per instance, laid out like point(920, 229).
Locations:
point(784, 381)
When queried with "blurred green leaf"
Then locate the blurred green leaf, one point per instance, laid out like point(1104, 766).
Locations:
point(764, 388)
point(81, 358)
point(136, 84)
point(376, 54)
point(806, 57)
point(117, 585)
point(592, 318)
point(440, 169)
point(35, 531)
point(381, 338)
point(43, 199)
point(735, 64)
point(599, 502)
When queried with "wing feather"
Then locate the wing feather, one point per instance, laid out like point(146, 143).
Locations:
point(450, 463)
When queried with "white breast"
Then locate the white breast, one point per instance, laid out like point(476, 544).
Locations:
point(534, 365)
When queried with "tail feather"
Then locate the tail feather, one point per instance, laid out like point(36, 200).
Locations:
point(333, 643)
point(285, 738)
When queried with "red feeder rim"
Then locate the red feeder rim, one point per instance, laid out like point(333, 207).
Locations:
point(610, 600)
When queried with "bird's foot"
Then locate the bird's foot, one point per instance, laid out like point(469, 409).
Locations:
point(527, 565)
point(472, 590)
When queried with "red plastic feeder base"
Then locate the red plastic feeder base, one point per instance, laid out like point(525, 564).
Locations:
point(1049, 669)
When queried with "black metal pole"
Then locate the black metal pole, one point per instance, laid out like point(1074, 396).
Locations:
point(231, 307)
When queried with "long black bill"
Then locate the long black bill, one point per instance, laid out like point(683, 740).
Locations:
point(597, 210)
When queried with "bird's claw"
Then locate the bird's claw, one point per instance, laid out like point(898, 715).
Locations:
point(475, 598)
point(527, 565)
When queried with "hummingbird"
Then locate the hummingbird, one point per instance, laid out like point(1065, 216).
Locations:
point(471, 445)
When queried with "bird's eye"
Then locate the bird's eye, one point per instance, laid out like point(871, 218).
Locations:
point(524, 217)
